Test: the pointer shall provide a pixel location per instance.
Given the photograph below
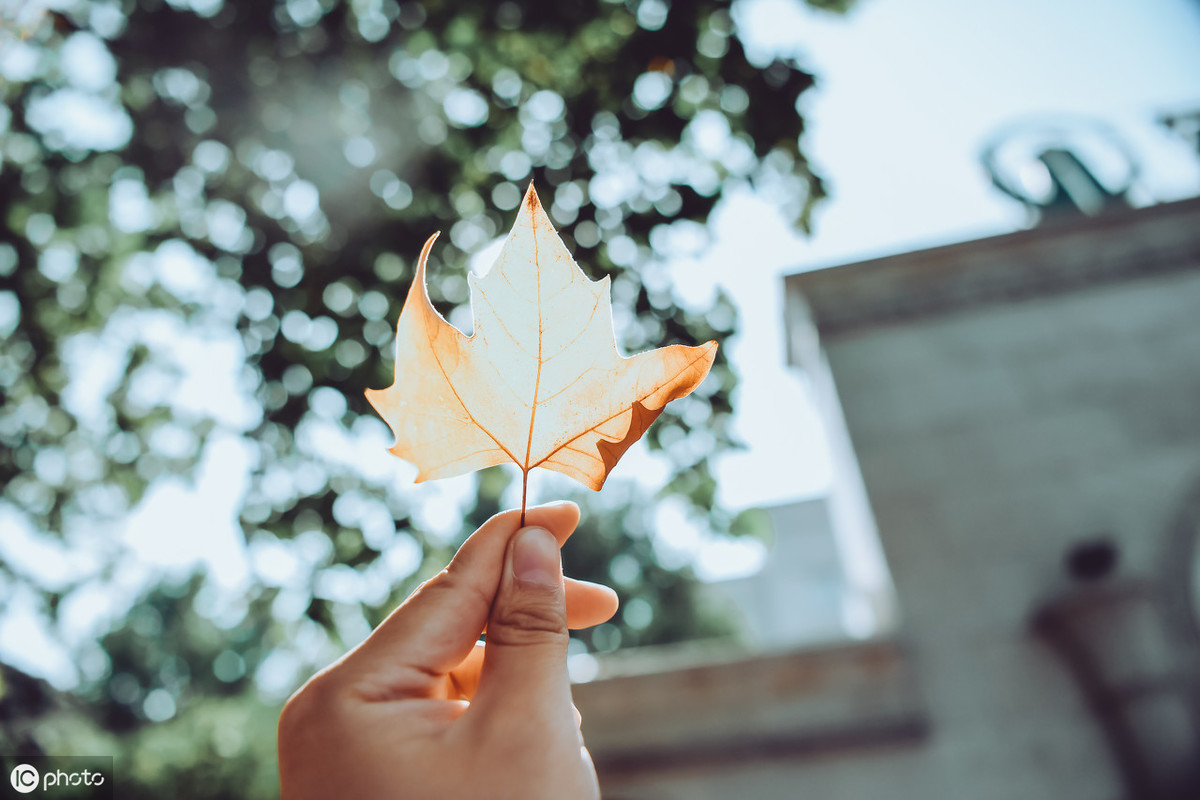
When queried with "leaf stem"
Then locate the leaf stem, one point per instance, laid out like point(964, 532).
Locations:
point(524, 491)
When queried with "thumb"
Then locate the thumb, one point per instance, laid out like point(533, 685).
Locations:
point(525, 657)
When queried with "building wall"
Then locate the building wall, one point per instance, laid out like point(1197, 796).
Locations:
point(1006, 399)
point(990, 441)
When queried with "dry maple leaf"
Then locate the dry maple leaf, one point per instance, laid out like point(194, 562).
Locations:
point(540, 382)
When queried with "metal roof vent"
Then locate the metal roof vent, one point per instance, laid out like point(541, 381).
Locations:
point(1058, 168)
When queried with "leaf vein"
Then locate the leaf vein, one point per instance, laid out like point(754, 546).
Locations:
point(641, 396)
point(438, 360)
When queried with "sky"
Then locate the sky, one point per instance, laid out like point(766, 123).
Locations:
point(908, 94)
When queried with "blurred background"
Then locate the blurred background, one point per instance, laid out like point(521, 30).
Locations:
point(928, 529)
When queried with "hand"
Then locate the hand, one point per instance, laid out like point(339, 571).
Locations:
point(420, 709)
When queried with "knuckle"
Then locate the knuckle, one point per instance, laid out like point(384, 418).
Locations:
point(530, 623)
point(311, 702)
point(456, 588)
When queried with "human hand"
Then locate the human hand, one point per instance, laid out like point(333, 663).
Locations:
point(420, 710)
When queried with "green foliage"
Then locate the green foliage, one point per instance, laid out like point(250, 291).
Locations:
point(264, 174)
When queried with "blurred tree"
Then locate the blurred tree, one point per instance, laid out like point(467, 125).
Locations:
point(199, 184)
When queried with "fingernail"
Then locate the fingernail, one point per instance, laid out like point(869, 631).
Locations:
point(536, 559)
point(554, 504)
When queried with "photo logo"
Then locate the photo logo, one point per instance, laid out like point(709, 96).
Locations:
point(59, 776)
point(24, 778)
